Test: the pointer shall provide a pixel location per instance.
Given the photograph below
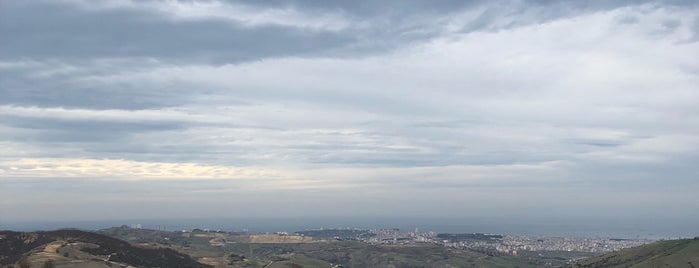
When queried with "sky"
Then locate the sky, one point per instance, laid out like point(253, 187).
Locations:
point(513, 110)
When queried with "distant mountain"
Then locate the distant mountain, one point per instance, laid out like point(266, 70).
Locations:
point(668, 253)
point(75, 248)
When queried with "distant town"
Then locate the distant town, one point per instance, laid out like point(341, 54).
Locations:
point(507, 244)
point(137, 245)
point(480, 242)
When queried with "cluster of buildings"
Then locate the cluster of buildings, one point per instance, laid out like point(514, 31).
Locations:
point(506, 244)
point(488, 243)
point(510, 244)
point(397, 236)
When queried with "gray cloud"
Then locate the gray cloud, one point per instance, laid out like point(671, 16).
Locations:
point(68, 33)
point(506, 104)
point(54, 83)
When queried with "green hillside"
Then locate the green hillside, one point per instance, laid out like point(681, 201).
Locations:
point(357, 254)
point(669, 253)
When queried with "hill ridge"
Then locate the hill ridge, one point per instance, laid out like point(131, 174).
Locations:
point(91, 247)
point(664, 253)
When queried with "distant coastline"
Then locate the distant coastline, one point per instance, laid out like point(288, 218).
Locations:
point(553, 229)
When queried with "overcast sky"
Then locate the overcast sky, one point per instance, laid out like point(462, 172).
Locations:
point(171, 109)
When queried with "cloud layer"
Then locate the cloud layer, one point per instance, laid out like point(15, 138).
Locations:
point(489, 102)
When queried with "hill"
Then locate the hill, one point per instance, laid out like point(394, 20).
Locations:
point(668, 253)
point(128, 247)
point(75, 248)
point(239, 250)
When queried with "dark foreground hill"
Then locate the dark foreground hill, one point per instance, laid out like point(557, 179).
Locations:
point(669, 253)
point(75, 248)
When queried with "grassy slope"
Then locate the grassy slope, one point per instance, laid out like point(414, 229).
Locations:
point(355, 254)
point(670, 253)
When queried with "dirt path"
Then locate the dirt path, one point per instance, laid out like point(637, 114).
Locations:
point(50, 251)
